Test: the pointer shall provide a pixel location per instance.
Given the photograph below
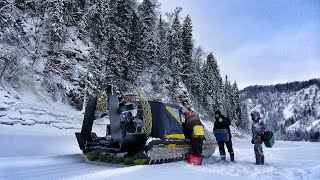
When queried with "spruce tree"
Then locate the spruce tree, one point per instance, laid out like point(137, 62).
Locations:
point(163, 49)
point(135, 65)
point(97, 25)
point(233, 104)
point(176, 53)
point(57, 25)
point(219, 92)
point(227, 96)
point(237, 108)
point(212, 82)
point(11, 31)
point(187, 47)
point(196, 81)
point(148, 18)
point(118, 37)
point(244, 123)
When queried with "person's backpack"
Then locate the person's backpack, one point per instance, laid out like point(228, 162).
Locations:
point(268, 139)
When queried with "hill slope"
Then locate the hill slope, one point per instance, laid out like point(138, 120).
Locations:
point(292, 110)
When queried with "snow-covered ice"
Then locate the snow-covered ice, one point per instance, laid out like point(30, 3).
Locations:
point(44, 152)
point(38, 142)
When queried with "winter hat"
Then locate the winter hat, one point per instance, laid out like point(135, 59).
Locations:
point(218, 112)
point(256, 115)
point(186, 114)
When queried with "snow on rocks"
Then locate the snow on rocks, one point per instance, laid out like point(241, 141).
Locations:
point(72, 43)
point(7, 121)
point(290, 114)
point(28, 122)
point(314, 126)
point(27, 109)
point(66, 125)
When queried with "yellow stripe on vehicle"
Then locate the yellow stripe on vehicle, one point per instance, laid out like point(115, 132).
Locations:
point(175, 136)
point(171, 146)
point(173, 114)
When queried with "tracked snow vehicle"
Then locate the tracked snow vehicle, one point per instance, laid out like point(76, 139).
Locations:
point(140, 131)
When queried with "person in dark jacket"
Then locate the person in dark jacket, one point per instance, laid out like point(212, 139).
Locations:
point(258, 128)
point(194, 130)
point(223, 123)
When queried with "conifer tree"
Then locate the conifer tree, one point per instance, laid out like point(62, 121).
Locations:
point(118, 37)
point(236, 100)
point(57, 23)
point(244, 123)
point(233, 104)
point(195, 79)
point(148, 18)
point(135, 65)
point(187, 47)
point(175, 45)
point(212, 82)
point(227, 94)
point(97, 24)
point(163, 49)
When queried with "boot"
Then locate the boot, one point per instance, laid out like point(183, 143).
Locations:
point(223, 158)
point(195, 160)
point(262, 160)
point(258, 161)
point(232, 157)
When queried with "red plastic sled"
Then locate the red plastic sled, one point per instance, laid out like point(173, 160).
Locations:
point(195, 160)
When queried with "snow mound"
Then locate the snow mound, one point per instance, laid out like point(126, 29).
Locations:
point(32, 107)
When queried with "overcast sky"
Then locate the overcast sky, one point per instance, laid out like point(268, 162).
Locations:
point(257, 42)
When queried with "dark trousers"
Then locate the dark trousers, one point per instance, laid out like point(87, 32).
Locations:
point(229, 147)
point(196, 146)
point(258, 151)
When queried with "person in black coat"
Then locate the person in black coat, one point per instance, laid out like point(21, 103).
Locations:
point(223, 123)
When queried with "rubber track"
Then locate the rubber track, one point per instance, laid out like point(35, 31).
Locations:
point(159, 155)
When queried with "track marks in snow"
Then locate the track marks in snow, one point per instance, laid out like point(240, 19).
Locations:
point(56, 167)
point(40, 160)
point(107, 173)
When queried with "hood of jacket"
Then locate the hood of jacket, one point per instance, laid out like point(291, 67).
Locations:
point(257, 116)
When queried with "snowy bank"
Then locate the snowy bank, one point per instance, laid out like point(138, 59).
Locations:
point(34, 107)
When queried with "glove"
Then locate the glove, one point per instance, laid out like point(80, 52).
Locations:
point(252, 141)
point(256, 139)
